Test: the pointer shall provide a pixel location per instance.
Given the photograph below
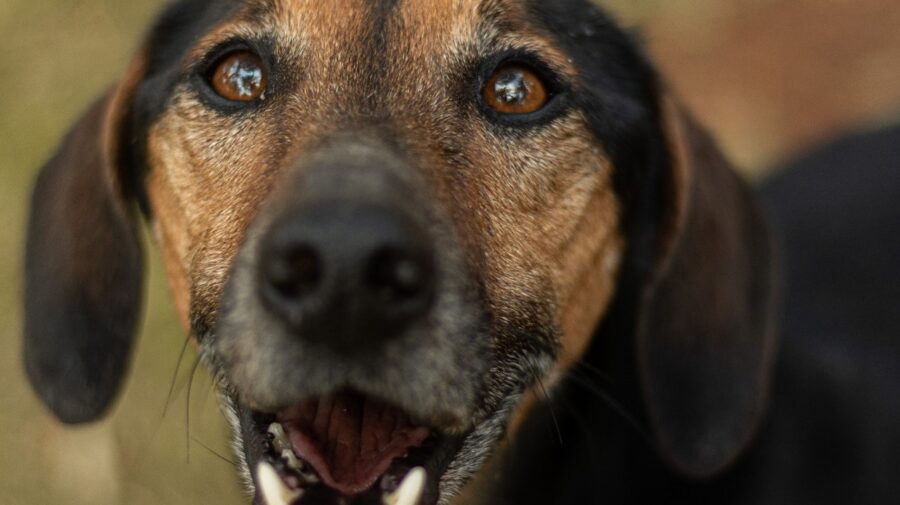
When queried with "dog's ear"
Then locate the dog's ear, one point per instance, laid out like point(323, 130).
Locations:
point(83, 265)
point(704, 342)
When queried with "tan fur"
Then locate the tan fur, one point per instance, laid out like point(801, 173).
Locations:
point(536, 215)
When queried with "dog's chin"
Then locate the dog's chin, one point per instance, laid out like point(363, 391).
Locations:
point(345, 449)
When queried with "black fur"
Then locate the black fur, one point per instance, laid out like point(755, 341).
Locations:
point(703, 370)
point(831, 434)
point(81, 312)
point(619, 94)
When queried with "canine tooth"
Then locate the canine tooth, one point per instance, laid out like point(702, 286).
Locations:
point(281, 439)
point(277, 430)
point(274, 490)
point(410, 490)
point(310, 478)
point(291, 459)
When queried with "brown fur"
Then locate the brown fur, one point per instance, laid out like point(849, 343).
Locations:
point(535, 232)
point(529, 220)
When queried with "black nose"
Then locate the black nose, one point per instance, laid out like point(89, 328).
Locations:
point(347, 275)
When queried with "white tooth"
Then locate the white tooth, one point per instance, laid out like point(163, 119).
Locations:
point(273, 489)
point(291, 459)
point(410, 489)
point(277, 430)
point(281, 439)
point(310, 478)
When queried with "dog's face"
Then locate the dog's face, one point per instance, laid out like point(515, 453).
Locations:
point(385, 223)
point(399, 212)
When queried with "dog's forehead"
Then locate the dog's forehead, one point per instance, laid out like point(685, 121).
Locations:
point(355, 18)
point(387, 34)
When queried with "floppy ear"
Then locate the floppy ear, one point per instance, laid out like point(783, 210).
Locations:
point(704, 341)
point(83, 266)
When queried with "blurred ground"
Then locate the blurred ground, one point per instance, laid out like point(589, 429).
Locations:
point(769, 77)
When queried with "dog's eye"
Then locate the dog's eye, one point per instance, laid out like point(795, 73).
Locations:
point(240, 76)
point(515, 89)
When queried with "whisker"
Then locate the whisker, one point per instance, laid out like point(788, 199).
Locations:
point(213, 452)
point(552, 412)
point(613, 404)
point(600, 374)
point(187, 418)
point(586, 429)
point(170, 396)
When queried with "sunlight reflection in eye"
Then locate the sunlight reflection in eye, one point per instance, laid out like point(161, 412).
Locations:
point(246, 80)
point(512, 88)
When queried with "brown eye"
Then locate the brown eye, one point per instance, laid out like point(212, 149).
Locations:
point(515, 89)
point(240, 77)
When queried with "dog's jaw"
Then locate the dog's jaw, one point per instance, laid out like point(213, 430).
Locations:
point(463, 456)
point(466, 454)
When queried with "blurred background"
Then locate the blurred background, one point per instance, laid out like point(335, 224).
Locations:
point(769, 77)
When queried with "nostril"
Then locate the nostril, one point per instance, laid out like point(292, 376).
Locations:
point(345, 275)
point(295, 272)
point(397, 276)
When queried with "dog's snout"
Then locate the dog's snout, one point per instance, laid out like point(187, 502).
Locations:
point(346, 274)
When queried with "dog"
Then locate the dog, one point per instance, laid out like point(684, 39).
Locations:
point(468, 250)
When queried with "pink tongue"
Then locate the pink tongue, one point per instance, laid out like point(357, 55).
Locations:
point(350, 440)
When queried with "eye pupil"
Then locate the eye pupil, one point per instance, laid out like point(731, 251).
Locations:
point(515, 89)
point(240, 77)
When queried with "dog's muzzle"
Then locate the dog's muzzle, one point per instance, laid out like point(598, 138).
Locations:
point(349, 335)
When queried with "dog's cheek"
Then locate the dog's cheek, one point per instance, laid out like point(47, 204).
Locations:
point(170, 229)
point(586, 277)
point(585, 250)
point(587, 300)
point(208, 177)
point(589, 273)
point(177, 279)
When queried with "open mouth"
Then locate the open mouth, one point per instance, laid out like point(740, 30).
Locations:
point(349, 449)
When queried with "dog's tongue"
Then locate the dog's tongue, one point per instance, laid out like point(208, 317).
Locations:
point(350, 440)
